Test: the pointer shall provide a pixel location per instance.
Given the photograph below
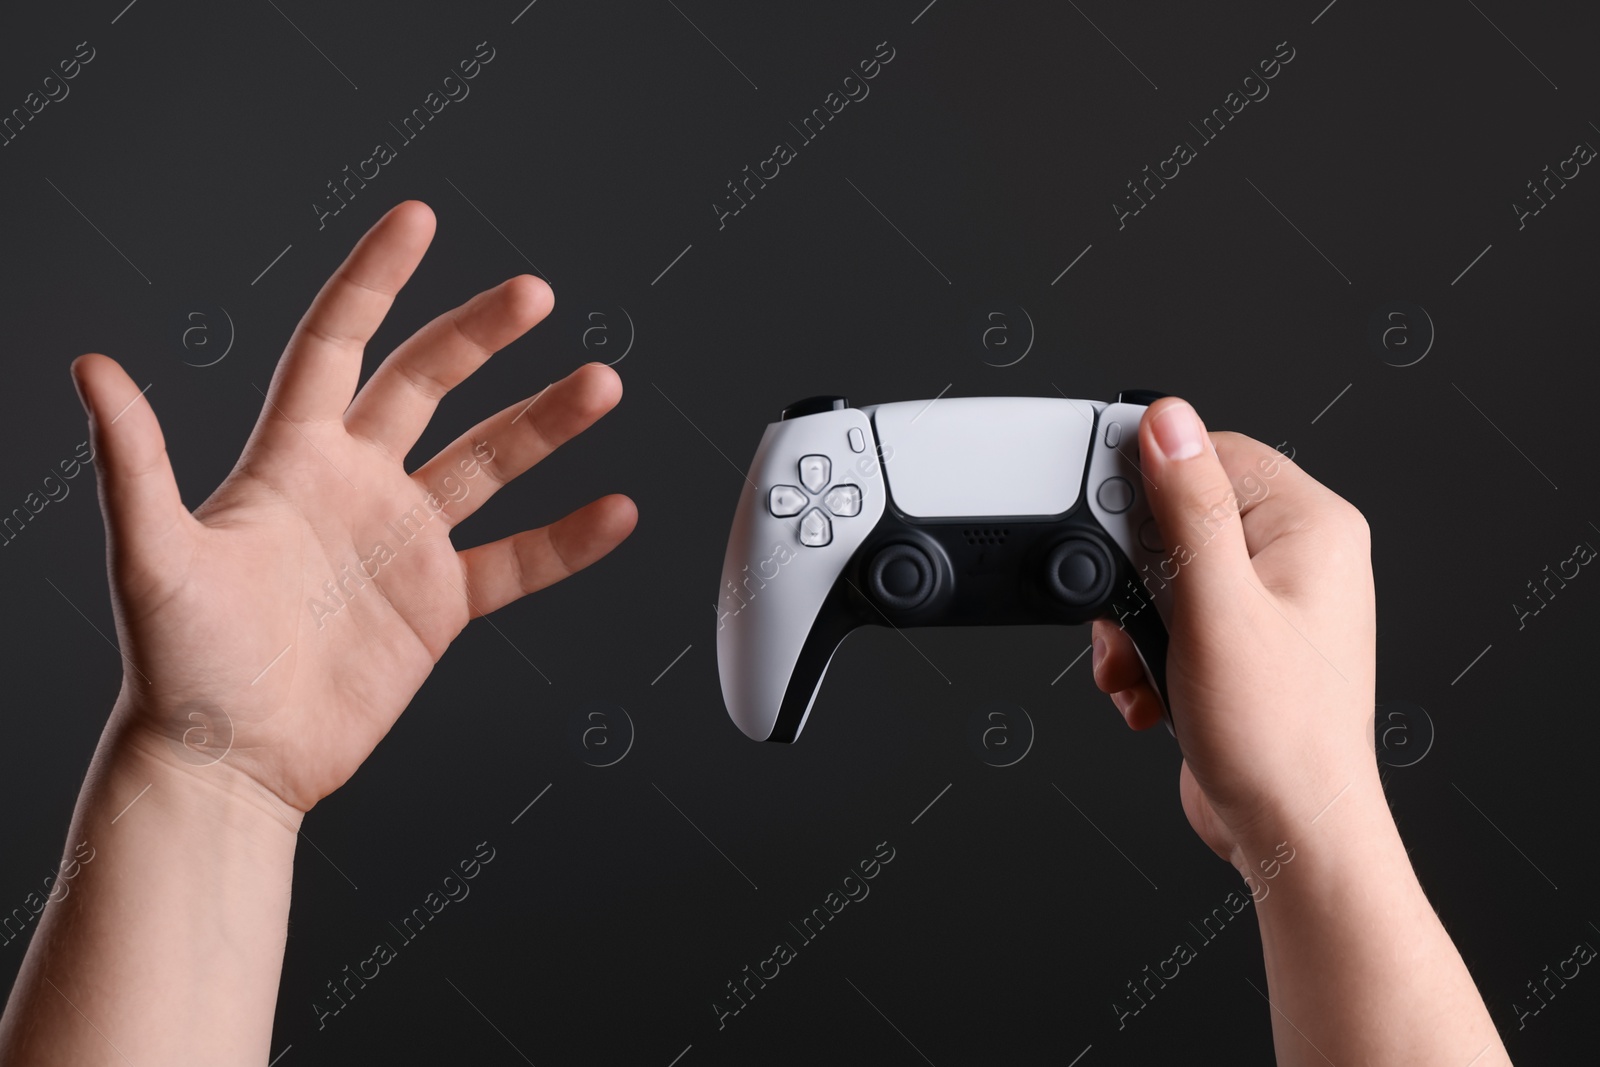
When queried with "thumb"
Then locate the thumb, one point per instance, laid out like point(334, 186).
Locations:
point(144, 513)
point(1194, 503)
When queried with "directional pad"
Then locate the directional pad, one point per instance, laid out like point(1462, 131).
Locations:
point(815, 529)
point(785, 500)
point(817, 500)
point(844, 500)
point(815, 472)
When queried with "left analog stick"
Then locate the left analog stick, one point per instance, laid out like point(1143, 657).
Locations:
point(902, 577)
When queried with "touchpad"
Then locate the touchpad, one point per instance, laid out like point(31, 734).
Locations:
point(984, 456)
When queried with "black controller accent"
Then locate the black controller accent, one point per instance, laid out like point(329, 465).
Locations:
point(1079, 571)
point(995, 572)
point(902, 577)
point(814, 405)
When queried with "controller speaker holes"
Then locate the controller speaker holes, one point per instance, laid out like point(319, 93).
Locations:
point(992, 535)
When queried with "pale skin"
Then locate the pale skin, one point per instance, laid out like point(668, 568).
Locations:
point(182, 913)
point(179, 919)
point(1271, 673)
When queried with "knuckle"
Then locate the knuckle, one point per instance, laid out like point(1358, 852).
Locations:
point(1213, 505)
point(333, 339)
point(423, 381)
point(553, 540)
point(488, 464)
point(1361, 528)
point(1353, 524)
point(461, 326)
point(348, 276)
point(1343, 538)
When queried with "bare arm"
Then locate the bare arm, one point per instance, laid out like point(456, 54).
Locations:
point(271, 638)
point(166, 942)
point(1359, 968)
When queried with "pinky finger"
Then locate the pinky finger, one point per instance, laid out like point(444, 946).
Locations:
point(1119, 672)
point(1140, 706)
point(509, 569)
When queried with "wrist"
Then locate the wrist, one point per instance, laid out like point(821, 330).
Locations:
point(1348, 846)
point(1327, 801)
point(193, 778)
point(1340, 814)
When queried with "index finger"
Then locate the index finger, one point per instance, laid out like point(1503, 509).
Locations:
point(1276, 495)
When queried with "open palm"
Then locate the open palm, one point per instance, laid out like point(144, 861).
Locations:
point(280, 629)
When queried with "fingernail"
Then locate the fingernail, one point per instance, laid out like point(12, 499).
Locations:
point(1097, 655)
point(1178, 431)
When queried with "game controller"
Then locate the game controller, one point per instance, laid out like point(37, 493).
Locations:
point(946, 512)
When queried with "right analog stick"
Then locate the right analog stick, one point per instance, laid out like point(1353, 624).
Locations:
point(902, 577)
point(1079, 572)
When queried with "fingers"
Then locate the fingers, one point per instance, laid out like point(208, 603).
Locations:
point(322, 363)
point(394, 407)
point(505, 445)
point(146, 522)
point(505, 570)
point(1194, 503)
point(1277, 497)
point(1119, 672)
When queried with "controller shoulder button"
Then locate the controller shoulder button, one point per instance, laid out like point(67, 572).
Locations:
point(813, 405)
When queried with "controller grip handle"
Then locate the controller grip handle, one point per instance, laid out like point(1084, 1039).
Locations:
point(835, 621)
point(1149, 636)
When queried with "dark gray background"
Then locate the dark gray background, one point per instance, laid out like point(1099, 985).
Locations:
point(1384, 161)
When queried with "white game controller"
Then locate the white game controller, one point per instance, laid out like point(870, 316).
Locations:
point(953, 511)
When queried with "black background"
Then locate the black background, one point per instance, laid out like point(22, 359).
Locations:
point(595, 143)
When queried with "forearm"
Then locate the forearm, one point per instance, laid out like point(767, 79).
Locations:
point(1359, 968)
point(166, 945)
